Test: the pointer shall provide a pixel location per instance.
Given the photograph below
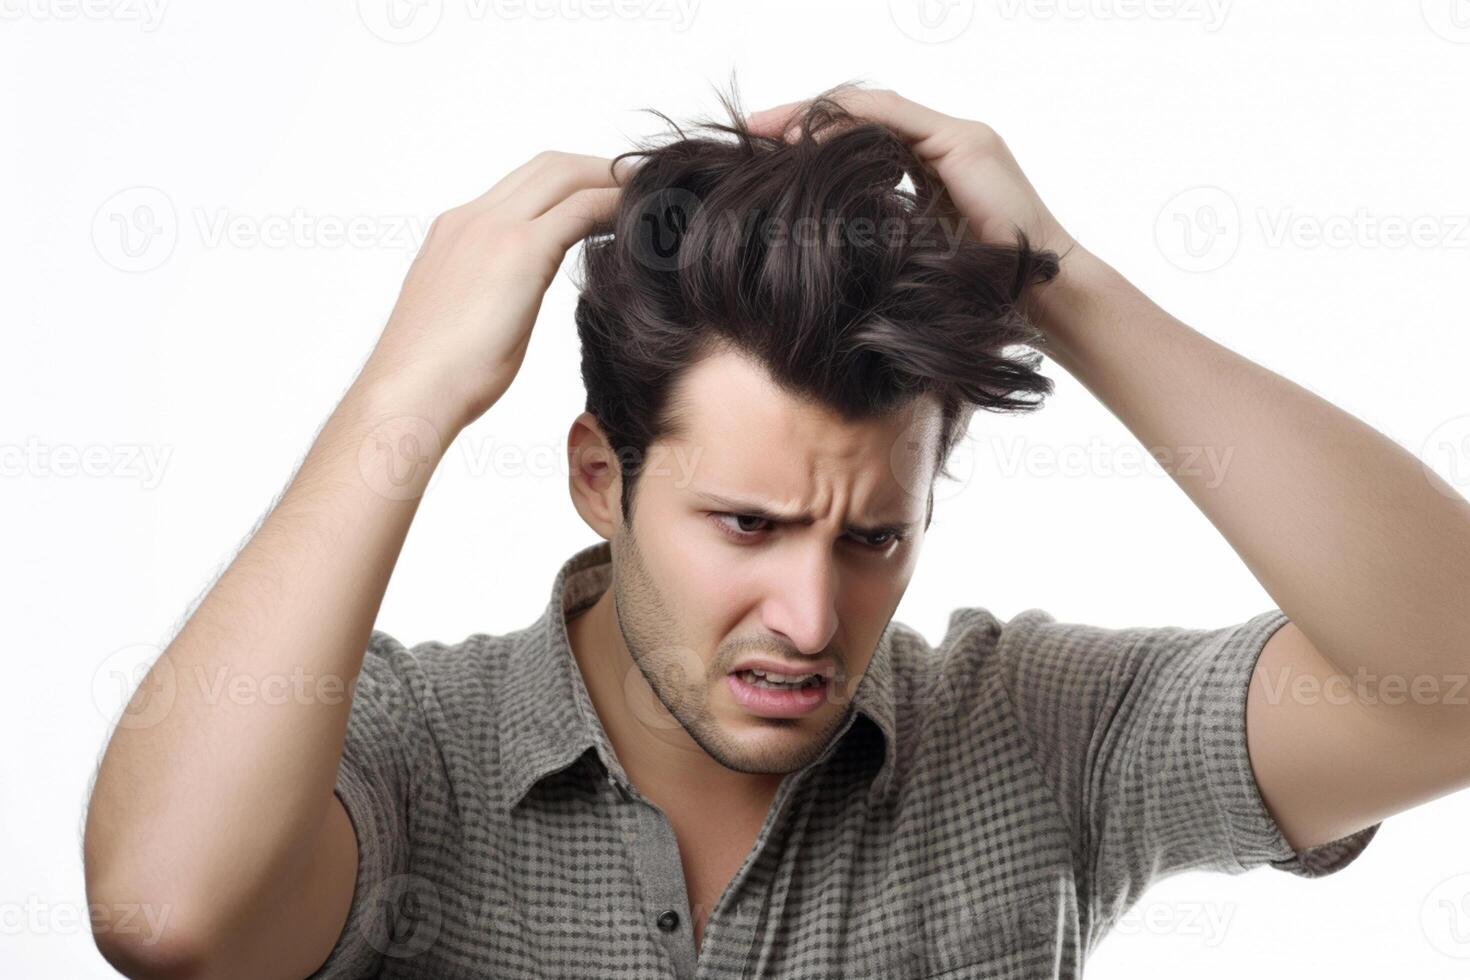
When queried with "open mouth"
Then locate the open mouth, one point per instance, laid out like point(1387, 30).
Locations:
point(780, 682)
point(774, 695)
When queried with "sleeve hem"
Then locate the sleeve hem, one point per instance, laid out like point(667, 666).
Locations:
point(1255, 837)
point(352, 946)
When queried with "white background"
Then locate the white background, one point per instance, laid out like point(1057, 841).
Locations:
point(159, 389)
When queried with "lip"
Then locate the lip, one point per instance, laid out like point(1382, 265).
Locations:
point(771, 703)
point(777, 667)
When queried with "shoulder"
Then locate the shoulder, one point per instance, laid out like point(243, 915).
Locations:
point(441, 706)
point(984, 667)
point(439, 677)
point(440, 660)
point(974, 639)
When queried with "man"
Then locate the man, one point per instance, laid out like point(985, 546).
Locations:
point(715, 754)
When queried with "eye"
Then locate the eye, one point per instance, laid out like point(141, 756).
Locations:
point(886, 536)
point(878, 541)
point(739, 534)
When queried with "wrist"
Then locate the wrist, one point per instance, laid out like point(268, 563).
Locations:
point(383, 394)
point(1064, 305)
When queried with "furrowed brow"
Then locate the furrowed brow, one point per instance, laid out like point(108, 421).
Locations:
point(751, 508)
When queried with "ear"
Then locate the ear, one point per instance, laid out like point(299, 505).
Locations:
point(594, 481)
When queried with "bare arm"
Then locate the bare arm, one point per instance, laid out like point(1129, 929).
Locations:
point(214, 812)
point(1357, 708)
point(217, 815)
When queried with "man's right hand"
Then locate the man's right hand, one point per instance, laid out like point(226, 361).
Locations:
point(459, 330)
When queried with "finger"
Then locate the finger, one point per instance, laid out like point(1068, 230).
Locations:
point(775, 120)
point(560, 178)
point(520, 191)
point(914, 123)
point(579, 214)
point(506, 185)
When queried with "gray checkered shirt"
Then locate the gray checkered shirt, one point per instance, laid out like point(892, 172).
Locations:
point(990, 808)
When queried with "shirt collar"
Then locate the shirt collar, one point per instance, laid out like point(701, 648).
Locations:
point(553, 722)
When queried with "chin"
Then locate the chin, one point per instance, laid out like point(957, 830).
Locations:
point(768, 745)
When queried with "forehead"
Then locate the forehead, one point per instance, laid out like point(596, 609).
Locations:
point(745, 427)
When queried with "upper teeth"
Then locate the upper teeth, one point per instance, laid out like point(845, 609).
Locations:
point(781, 678)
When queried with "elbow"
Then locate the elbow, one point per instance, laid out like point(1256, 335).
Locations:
point(142, 938)
point(138, 933)
point(139, 955)
point(162, 961)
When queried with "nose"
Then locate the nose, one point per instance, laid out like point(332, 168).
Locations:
point(801, 599)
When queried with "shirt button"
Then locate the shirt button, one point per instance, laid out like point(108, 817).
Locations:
point(668, 920)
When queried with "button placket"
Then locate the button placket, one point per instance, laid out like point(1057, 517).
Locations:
point(661, 875)
point(735, 916)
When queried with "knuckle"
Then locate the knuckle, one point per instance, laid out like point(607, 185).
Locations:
point(984, 136)
point(488, 225)
point(886, 98)
point(444, 221)
point(589, 195)
point(464, 226)
point(512, 240)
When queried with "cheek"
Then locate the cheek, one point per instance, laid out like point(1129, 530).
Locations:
point(709, 585)
point(702, 600)
point(710, 611)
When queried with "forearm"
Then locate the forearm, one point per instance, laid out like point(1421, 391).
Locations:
point(222, 767)
point(1363, 548)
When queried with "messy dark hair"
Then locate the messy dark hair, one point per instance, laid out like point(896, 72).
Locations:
point(712, 247)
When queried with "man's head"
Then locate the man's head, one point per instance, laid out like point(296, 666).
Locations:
point(779, 326)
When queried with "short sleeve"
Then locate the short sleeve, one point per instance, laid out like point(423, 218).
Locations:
point(1141, 733)
point(374, 782)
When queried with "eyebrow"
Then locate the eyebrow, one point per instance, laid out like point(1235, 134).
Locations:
point(750, 508)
